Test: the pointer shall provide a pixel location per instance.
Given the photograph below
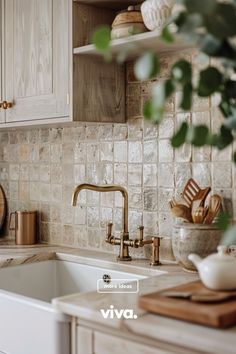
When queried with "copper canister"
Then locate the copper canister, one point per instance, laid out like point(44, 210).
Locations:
point(25, 227)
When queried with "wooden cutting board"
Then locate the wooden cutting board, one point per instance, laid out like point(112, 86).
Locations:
point(219, 315)
point(3, 206)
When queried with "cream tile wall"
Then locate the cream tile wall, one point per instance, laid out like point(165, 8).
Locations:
point(39, 169)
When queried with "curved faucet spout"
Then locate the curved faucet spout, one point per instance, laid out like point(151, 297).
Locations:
point(105, 188)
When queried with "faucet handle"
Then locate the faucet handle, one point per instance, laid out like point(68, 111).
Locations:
point(109, 229)
point(155, 258)
point(141, 232)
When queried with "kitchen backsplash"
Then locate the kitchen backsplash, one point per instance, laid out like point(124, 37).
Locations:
point(39, 169)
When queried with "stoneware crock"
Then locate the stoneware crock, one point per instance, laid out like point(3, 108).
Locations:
point(193, 238)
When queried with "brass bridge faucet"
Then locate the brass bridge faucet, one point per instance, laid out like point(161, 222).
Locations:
point(124, 241)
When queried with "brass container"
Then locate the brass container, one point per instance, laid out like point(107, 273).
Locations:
point(25, 227)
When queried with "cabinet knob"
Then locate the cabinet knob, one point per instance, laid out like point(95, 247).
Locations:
point(6, 105)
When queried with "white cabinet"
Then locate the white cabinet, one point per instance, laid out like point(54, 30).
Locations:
point(36, 58)
point(92, 338)
point(40, 77)
point(107, 344)
point(95, 342)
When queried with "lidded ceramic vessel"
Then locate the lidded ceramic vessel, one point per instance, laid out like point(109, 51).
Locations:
point(156, 12)
point(217, 271)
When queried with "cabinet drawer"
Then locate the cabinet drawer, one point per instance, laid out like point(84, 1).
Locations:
point(107, 344)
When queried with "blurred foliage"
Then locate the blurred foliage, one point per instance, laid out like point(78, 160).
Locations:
point(209, 25)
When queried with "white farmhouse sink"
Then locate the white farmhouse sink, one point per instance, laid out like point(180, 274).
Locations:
point(49, 279)
point(28, 322)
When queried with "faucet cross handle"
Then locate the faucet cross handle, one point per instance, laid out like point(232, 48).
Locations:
point(109, 230)
point(141, 232)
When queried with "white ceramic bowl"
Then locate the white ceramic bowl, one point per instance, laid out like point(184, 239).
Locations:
point(156, 12)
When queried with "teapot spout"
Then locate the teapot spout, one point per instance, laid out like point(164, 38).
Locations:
point(195, 259)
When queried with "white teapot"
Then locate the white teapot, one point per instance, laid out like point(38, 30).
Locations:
point(217, 271)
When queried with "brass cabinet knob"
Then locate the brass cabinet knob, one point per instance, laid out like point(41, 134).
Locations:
point(6, 105)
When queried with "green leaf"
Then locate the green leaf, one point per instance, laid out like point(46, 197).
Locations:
point(102, 38)
point(179, 138)
point(166, 35)
point(222, 23)
point(186, 102)
point(210, 81)
point(223, 221)
point(230, 89)
point(230, 236)
point(225, 107)
point(152, 111)
point(199, 135)
point(225, 138)
point(202, 7)
point(210, 44)
point(182, 71)
point(234, 157)
point(190, 24)
point(230, 123)
point(169, 88)
point(147, 66)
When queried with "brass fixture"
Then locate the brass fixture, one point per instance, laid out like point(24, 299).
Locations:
point(6, 105)
point(25, 227)
point(124, 241)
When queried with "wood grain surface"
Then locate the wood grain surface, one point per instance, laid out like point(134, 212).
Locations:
point(219, 315)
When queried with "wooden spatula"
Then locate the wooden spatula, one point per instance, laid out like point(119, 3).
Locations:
point(214, 207)
point(192, 192)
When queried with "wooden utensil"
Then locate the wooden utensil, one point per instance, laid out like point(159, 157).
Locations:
point(3, 207)
point(214, 207)
point(180, 210)
point(199, 214)
point(219, 314)
point(192, 192)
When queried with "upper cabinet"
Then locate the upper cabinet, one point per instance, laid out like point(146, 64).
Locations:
point(49, 70)
point(2, 115)
point(36, 59)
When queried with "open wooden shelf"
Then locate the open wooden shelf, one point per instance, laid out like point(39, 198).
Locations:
point(136, 44)
point(110, 4)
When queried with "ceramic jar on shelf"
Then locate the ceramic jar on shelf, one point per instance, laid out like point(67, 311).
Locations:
point(127, 23)
point(156, 12)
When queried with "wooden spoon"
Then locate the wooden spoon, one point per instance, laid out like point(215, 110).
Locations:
point(181, 211)
point(214, 207)
point(199, 214)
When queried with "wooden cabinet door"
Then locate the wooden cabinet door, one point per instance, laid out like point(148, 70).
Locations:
point(2, 112)
point(37, 59)
point(84, 341)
